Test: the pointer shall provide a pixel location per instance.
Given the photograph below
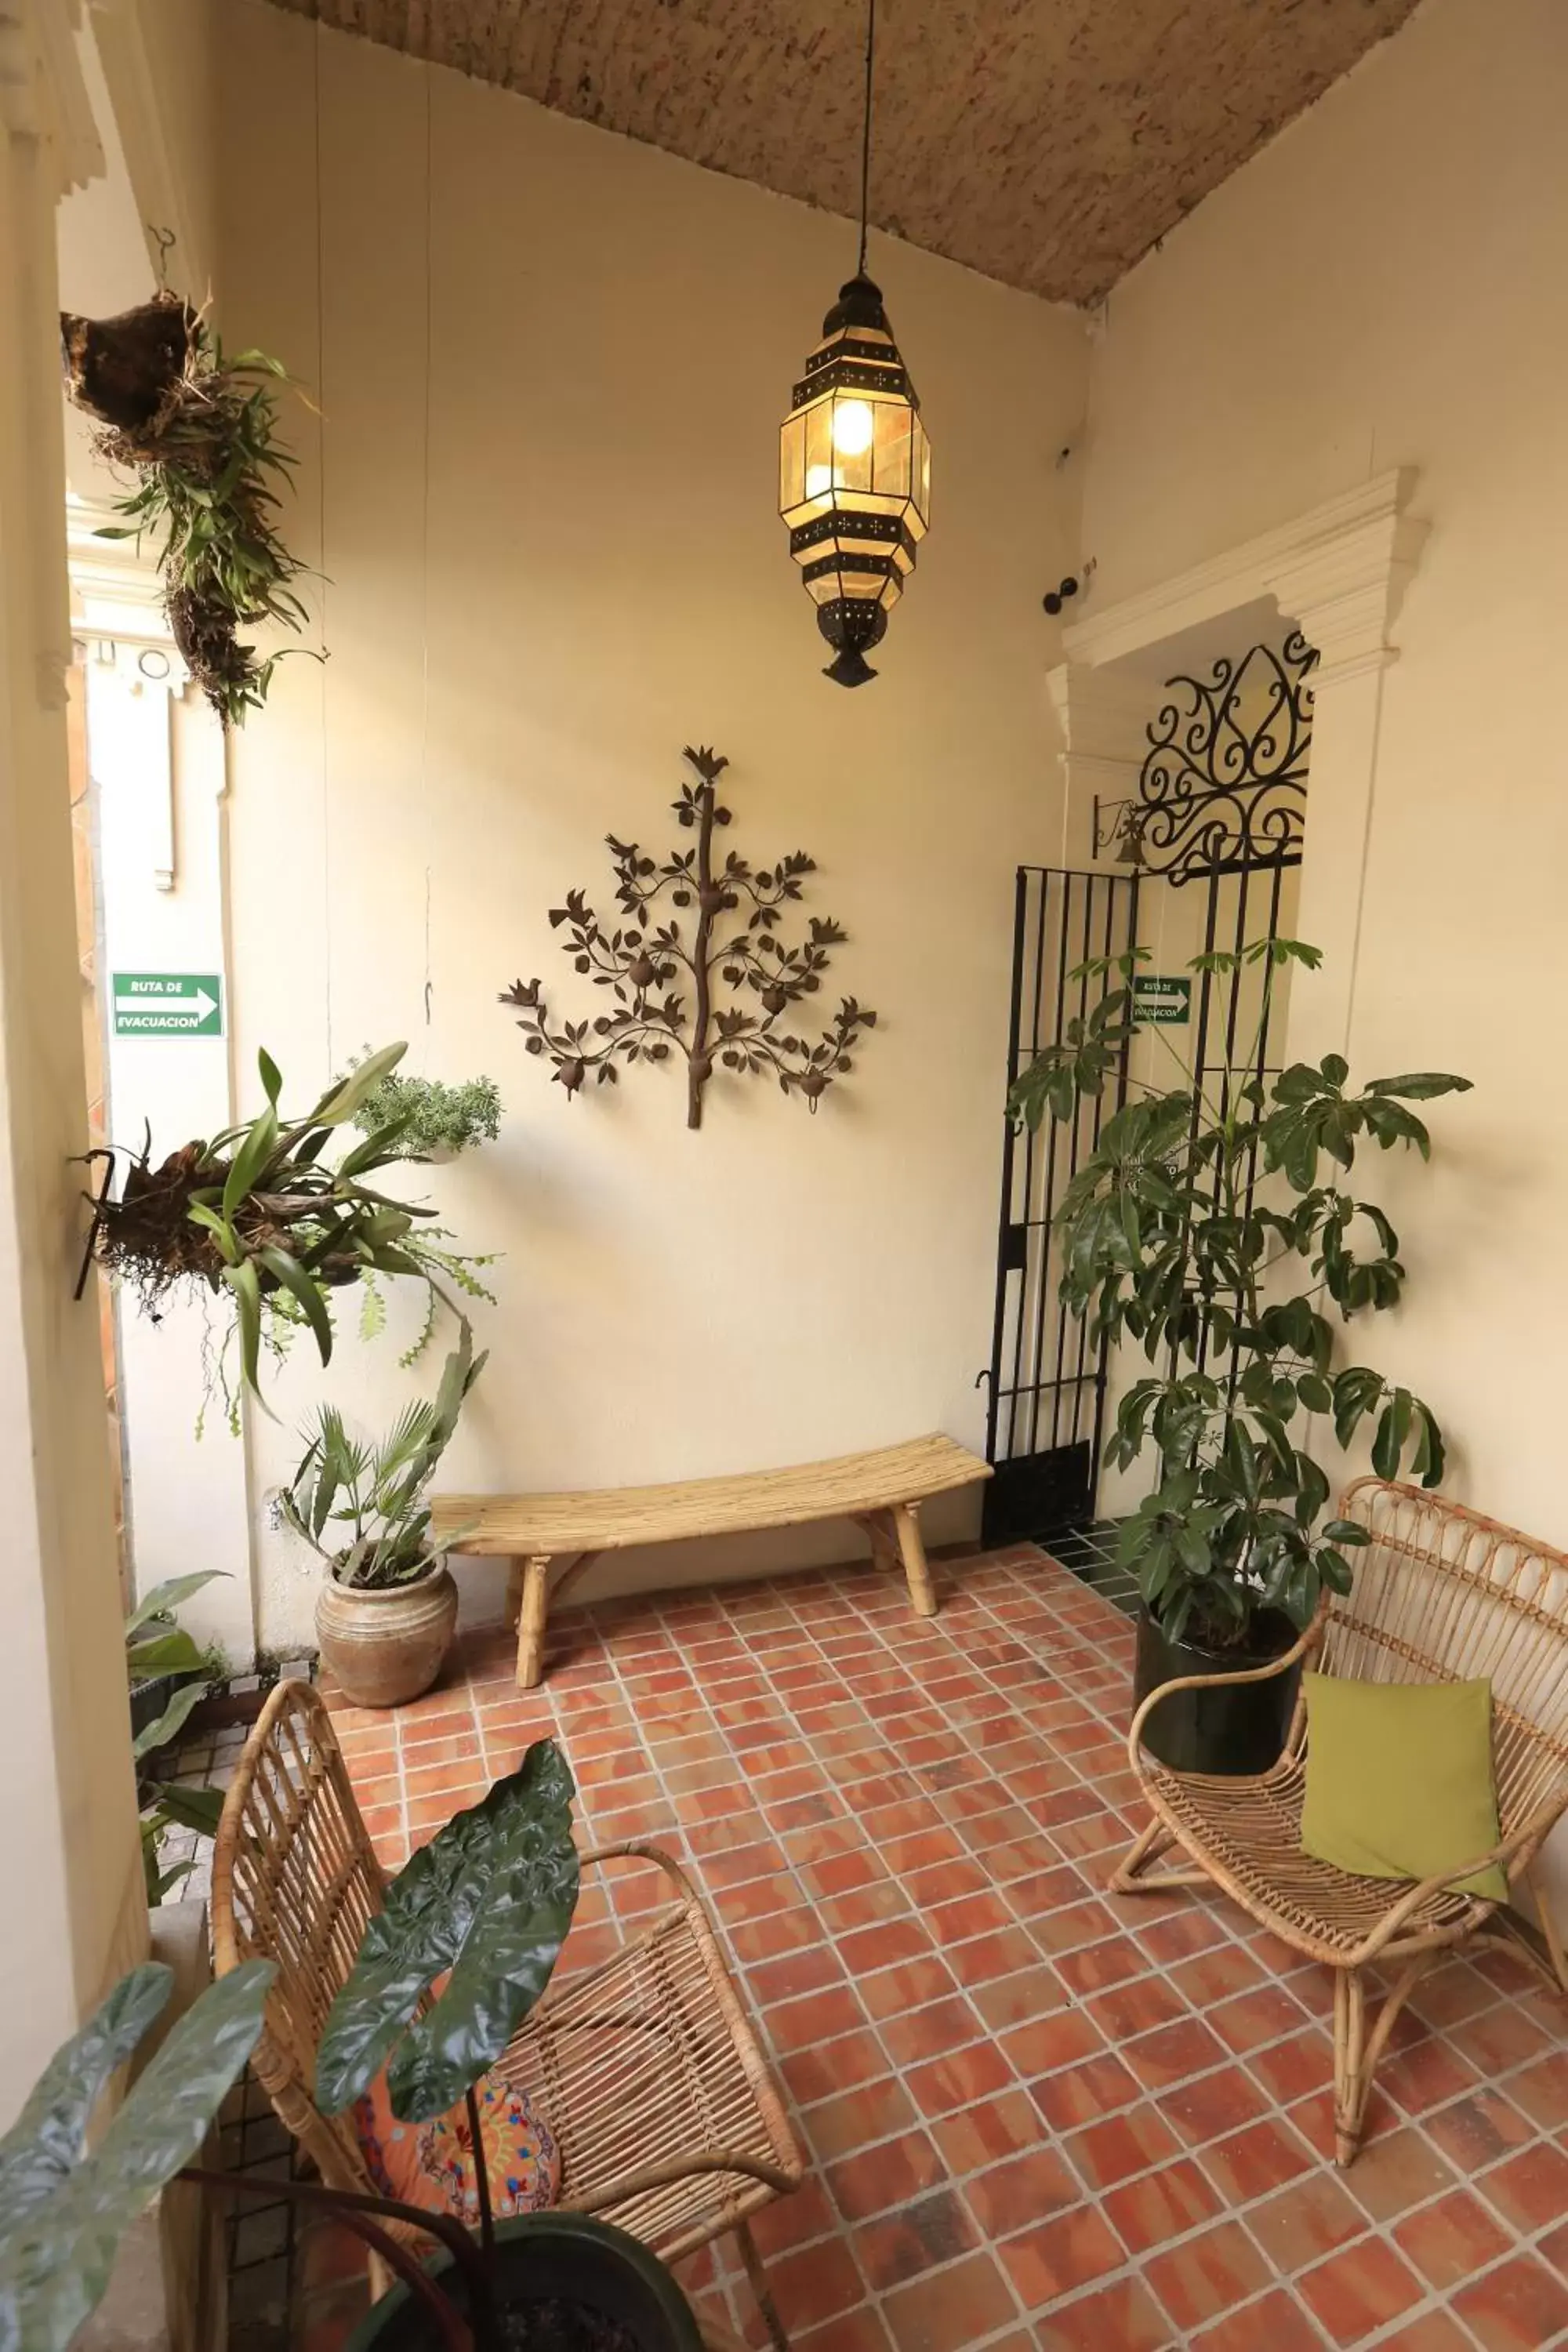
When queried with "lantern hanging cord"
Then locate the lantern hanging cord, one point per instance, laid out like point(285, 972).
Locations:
point(865, 133)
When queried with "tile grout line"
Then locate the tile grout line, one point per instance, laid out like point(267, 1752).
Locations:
point(773, 1651)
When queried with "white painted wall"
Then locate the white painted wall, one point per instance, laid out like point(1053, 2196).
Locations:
point(1379, 287)
point(68, 1851)
point(550, 366)
point(1383, 287)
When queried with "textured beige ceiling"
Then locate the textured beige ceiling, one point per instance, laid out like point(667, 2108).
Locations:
point(1046, 143)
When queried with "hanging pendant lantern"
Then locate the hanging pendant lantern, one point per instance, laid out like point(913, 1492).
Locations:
point(854, 460)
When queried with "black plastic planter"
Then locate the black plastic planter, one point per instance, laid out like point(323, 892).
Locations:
point(1224, 1732)
point(549, 2258)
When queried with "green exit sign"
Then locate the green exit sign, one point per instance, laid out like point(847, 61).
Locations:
point(1162, 997)
point(168, 1004)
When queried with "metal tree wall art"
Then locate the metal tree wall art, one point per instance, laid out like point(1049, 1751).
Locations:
point(651, 966)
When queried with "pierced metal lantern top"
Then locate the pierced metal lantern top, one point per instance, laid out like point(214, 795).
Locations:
point(855, 476)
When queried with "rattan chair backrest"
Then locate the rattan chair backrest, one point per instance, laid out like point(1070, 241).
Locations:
point(295, 1879)
point(1442, 1594)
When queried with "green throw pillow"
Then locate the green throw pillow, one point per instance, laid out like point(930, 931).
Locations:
point(1399, 1780)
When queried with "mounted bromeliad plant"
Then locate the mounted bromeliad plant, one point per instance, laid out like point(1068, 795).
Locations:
point(258, 1215)
point(1203, 1228)
point(200, 427)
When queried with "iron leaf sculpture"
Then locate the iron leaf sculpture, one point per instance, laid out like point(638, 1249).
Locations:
point(649, 965)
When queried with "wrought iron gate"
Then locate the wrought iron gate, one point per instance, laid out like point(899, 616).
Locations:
point(1221, 800)
point(1046, 1405)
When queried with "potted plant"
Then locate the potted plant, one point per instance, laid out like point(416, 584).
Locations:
point(387, 1609)
point(482, 1910)
point(168, 1673)
point(481, 1913)
point(63, 2211)
point(436, 1121)
point(1203, 1227)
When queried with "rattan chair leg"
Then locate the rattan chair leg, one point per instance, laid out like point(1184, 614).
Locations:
point(1548, 1928)
point(1350, 2068)
point(760, 2287)
point(1131, 1876)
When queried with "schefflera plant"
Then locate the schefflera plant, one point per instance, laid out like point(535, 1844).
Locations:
point(1203, 1229)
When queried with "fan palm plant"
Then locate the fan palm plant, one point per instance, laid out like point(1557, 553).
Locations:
point(360, 1503)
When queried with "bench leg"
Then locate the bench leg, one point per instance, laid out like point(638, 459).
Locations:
point(905, 1519)
point(531, 1622)
point(878, 1526)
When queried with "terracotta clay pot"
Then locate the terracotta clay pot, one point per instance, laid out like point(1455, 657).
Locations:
point(385, 1645)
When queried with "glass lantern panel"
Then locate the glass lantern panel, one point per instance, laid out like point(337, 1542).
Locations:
point(922, 455)
point(854, 432)
point(890, 472)
point(819, 424)
point(792, 462)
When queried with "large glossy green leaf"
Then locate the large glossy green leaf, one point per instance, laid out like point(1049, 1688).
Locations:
point(165, 1598)
point(1420, 1085)
point(246, 1283)
point(490, 1899)
point(158, 1733)
point(249, 1160)
point(292, 1276)
point(38, 2151)
point(340, 1101)
point(62, 2212)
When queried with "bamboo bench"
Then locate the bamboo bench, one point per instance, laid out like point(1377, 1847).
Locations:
point(882, 1492)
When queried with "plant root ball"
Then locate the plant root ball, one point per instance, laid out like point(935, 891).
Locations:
point(123, 369)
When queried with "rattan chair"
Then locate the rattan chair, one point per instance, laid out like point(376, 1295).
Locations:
point(645, 2066)
point(1440, 1594)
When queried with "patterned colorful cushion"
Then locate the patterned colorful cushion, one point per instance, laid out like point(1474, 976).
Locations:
point(431, 2165)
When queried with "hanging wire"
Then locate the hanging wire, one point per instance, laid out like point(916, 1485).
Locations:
point(866, 133)
point(425, 553)
point(322, 541)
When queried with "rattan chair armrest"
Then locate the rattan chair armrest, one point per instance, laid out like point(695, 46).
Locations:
point(649, 2176)
point(1301, 1649)
point(634, 1850)
point(1522, 1841)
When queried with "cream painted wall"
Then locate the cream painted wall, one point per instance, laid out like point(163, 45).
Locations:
point(1410, 234)
point(68, 1849)
point(550, 366)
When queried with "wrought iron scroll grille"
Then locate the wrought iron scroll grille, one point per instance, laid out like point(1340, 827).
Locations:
point(1223, 788)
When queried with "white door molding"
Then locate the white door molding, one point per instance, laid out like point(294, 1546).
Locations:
point(157, 759)
point(78, 1914)
point(1339, 572)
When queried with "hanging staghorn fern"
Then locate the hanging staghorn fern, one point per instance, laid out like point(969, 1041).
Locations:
point(201, 429)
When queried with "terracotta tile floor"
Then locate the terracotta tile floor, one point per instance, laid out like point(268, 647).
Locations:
point(1037, 2116)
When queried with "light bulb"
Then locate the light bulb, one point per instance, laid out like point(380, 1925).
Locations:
point(818, 481)
point(854, 428)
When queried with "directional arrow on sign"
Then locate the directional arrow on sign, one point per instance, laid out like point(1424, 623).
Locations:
point(193, 1008)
